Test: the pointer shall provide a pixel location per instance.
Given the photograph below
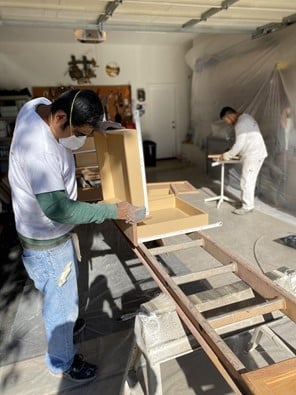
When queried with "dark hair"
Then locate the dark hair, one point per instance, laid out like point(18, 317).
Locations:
point(86, 106)
point(226, 111)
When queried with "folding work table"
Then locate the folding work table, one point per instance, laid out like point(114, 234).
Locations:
point(221, 197)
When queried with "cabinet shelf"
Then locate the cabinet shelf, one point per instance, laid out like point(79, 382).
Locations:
point(14, 97)
point(5, 138)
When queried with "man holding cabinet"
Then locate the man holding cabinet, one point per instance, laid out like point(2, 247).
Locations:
point(44, 192)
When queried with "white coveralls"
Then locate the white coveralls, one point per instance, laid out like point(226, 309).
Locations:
point(250, 146)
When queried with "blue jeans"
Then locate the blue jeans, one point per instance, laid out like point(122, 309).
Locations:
point(54, 272)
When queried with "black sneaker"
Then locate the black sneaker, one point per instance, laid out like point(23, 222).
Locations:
point(80, 370)
point(79, 326)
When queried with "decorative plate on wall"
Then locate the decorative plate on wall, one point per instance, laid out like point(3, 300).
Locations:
point(112, 69)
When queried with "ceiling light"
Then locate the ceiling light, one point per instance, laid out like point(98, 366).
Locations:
point(109, 10)
point(210, 12)
point(288, 20)
point(90, 36)
point(191, 22)
point(227, 3)
point(266, 29)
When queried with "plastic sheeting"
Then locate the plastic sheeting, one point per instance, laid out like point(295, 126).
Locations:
point(257, 76)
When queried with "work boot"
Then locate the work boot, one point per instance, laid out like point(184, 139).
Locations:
point(80, 370)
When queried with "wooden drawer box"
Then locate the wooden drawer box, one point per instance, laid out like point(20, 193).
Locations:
point(169, 214)
point(122, 172)
point(157, 189)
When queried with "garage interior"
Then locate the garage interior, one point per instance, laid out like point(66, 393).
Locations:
point(175, 64)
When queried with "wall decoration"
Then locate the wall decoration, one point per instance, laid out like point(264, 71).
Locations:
point(112, 69)
point(141, 95)
point(82, 74)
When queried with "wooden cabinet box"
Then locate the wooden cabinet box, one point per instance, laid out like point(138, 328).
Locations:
point(122, 172)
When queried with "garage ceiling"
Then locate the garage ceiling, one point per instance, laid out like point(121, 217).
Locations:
point(170, 16)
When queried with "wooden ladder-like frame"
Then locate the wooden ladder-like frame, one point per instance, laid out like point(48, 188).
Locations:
point(274, 379)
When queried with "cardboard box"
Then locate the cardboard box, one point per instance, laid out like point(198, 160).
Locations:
point(86, 155)
point(86, 159)
point(89, 194)
point(89, 180)
point(122, 171)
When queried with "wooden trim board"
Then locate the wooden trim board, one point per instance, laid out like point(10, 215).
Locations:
point(277, 379)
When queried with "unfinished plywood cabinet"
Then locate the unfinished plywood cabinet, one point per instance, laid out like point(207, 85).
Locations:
point(123, 179)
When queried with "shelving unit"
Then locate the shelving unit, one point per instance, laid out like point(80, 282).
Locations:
point(9, 107)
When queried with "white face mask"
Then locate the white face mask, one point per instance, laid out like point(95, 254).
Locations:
point(73, 142)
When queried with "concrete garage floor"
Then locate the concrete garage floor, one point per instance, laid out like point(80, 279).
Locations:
point(113, 285)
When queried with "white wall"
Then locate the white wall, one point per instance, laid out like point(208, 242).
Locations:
point(27, 64)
